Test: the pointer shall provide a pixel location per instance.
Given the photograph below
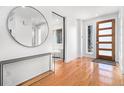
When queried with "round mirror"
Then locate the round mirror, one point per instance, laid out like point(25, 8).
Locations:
point(27, 26)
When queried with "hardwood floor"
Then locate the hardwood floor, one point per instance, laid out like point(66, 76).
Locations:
point(82, 72)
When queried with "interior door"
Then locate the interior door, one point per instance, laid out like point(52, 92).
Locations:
point(105, 39)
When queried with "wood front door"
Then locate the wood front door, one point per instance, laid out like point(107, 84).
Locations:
point(105, 39)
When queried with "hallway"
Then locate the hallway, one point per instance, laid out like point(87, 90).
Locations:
point(83, 72)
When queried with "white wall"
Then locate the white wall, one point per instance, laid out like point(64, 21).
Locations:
point(121, 41)
point(93, 22)
point(71, 40)
point(79, 37)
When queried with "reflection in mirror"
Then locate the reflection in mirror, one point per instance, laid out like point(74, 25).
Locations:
point(58, 37)
point(27, 26)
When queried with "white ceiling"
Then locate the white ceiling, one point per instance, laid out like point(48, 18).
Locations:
point(83, 12)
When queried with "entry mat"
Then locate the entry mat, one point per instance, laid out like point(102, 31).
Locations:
point(102, 61)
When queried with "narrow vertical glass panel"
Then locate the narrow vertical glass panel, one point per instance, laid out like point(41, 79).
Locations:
point(105, 25)
point(90, 38)
point(105, 32)
point(105, 39)
point(105, 53)
point(105, 46)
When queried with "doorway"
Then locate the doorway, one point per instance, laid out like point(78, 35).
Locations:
point(58, 37)
point(105, 39)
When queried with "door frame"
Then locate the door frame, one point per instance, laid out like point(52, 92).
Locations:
point(113, 39)
point(63, 33)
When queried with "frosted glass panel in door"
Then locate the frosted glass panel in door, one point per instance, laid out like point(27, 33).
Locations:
point(108, 46)
point(105, 53)
point(105, 39)
point(105, 25)
point(105, 32)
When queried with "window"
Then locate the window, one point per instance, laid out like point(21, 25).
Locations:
point(90, 38)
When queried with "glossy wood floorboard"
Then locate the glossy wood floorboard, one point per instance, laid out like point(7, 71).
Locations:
point(83, 72)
